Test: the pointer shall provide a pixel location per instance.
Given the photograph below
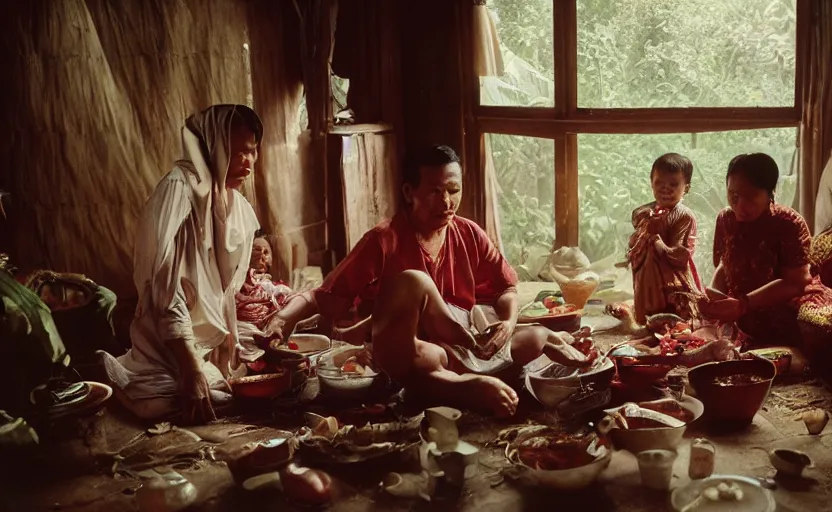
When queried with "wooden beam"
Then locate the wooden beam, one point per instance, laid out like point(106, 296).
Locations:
point(566, 56)
point(642, 114)
point(566, 191)
point(469, 81)
point(566, 104)
point(353, 129)
point(647, 124)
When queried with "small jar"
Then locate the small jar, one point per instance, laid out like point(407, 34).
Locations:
point(594, 307)
point(702, 458)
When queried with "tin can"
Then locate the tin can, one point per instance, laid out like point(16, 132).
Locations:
point(702, 458)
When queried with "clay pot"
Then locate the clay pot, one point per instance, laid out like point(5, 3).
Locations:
point(790, 462)
point(732, 406)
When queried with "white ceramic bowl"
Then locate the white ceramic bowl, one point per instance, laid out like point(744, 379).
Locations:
point(572, 479)
point(336, 384)
point(551, 383)
point(667, 438)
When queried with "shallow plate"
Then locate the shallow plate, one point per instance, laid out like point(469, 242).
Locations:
point(99, 393)
point(73, 393)
point(755, 497)
point(309, 343)
point(563, 317)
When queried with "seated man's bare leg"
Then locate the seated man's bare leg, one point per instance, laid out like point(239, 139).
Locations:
point(410, 302)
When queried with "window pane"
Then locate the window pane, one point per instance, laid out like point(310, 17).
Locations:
point(614, 179)
point(525, 169)
point(526, 42)
point(686, 53)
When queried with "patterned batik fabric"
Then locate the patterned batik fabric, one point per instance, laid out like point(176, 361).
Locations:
point(755, 253)
point(664, 283)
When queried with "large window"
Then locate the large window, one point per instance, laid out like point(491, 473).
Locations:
point(576, 120)
point(526, 205)
point(527, 48)
point(613, 182)
point(691, 53)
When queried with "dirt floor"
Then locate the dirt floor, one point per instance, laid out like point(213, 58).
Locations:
point(78, 468)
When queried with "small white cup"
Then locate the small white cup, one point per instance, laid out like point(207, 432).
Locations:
point(656, 468)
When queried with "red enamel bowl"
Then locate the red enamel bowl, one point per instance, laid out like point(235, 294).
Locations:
point(268, 385)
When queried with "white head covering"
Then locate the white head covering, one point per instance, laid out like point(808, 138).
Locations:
point(206, 141)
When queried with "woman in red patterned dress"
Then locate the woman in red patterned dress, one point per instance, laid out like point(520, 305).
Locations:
point(761, 251)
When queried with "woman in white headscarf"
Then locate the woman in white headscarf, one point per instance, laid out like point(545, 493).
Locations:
point(192, 252)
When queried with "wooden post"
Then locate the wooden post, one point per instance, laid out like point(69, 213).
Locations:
point(566, 104)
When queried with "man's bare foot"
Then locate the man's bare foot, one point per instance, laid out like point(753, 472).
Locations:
point(493, 395)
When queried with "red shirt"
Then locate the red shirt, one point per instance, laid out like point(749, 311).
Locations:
point(469, 269)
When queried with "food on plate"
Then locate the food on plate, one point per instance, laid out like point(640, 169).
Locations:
point(329, 438)
point(633, 416)
point(563, 309)
point(359, 364)
point(677, 338)
point(552, 302)
point(352, 366)
point(739, 379)
point(724, 491)
point(548, 306)
point(660, 322)
point(670, 407)
point(553, 451)
point(548, 293)
point(582, 340)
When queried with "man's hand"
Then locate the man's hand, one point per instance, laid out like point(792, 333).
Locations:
point(726, 310)
point(195, 397)
point(560, 350)
point(498, 335)
point(357, 334)
point(279, 329)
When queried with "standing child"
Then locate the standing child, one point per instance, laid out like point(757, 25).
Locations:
point(661, 248)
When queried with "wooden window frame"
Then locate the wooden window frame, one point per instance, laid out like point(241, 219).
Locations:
point(566, 120)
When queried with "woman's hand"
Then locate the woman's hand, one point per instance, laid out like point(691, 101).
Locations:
point(195, 397)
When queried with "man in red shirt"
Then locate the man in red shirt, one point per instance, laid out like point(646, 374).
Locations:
point(418, 276)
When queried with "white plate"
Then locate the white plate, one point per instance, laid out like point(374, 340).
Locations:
point(755, 497)
point(310, 343)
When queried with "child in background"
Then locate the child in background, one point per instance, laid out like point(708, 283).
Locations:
point(661, 248)
point(258, 301)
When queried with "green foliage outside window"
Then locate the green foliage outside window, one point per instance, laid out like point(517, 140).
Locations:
point(639, 53)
